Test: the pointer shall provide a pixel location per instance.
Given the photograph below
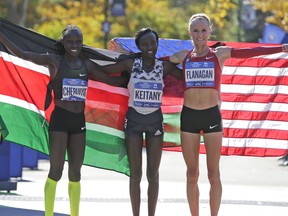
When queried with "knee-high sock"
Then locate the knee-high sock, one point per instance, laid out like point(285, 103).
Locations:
point(49, 192)
point(74, 190)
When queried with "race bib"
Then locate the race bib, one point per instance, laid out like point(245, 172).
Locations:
point(200, 74)
point(148, 94)
point(74, 89)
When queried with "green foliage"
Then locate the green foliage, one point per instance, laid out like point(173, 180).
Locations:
point(3, 9)
point(222, 14)
point(168, 22)
point(168, 17)
point(87, 15)
point(278, 11)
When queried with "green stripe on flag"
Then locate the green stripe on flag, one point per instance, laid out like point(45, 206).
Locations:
point(106, 150)
point(25, 127)
point(105, 146)
point(172, 120)
point(103, 150)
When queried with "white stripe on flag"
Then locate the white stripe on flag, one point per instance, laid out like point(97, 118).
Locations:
point(108, 88)
point(24, 63)
point(257, 89)
point(250, 124)
point(252, 71)
point(105, 129)
point(255, 143)
point(103, 105)
point(254, 107)
point(21, 103)
point(280, 55)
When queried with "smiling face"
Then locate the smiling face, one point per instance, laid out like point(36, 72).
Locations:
point(148, 45)
point(73, 42)
point(199, 30)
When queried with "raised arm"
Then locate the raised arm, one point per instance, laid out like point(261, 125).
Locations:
point(225, 52)
point(229, 52)
point(41, 59)
point(178, 57)
point(257, 51)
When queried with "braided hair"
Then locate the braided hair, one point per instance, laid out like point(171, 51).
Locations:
point(59, 45)
point(142, 32)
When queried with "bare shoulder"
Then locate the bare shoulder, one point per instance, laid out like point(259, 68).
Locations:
point(55, 59)
point(223, 49)
point(223, 52)
point(178, 56)
point(168, 64)
point(127, 63)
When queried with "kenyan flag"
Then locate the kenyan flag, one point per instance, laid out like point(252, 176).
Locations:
point(26, 103)
point(23, 97)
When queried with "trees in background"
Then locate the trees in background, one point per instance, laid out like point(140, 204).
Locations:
point(277, 12)
point(168, 17)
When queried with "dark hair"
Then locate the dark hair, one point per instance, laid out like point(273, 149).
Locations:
point(59, 46)
point(142, 32)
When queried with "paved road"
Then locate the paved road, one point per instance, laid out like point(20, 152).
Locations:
point(251, 186)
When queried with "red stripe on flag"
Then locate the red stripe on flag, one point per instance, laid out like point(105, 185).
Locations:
point(254, 80)
point(257, 98)
point(107, 108)
point(171, 104)
point(255, 133)
point(256, 116)
point(257, 62)
point(250, 151)
point(23, 83)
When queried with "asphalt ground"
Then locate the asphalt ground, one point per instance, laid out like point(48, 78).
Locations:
point(251, 186)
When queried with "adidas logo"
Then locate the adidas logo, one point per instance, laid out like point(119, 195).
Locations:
point(158, 132)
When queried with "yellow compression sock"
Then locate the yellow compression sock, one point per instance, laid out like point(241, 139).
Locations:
point(49, 192)
point(74, 190)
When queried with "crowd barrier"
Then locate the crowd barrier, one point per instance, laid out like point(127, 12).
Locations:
point(13, 158)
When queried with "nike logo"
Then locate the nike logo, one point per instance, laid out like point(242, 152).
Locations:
point(81, 75)
point(211, 127)
point(209, 57)
point(83, 128)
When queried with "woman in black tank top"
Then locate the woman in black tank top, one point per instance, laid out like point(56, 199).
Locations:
point(67, 131)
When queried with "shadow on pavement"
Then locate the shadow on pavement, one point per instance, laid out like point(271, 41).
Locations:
point(10, 211)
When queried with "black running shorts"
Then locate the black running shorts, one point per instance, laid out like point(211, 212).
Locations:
point(63, 120)
point(136, 123)
point(207, 120)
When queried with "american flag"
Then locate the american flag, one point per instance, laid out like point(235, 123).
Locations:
point(255, 104)
point(254, 94)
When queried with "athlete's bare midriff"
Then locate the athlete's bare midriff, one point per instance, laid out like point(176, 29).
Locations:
point(200, 98)
point(72, 106)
